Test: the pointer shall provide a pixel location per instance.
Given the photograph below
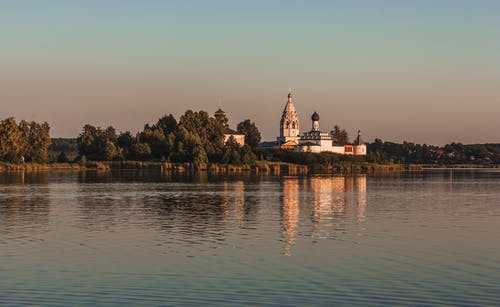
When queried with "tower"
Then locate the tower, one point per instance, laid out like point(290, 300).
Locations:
point(221, 117)
point(359, 145)
point(289, 124)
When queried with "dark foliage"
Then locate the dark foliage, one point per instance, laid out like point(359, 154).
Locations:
point(251, 132)
point(197, 138)
point(454, 153)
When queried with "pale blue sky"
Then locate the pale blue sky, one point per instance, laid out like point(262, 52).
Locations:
point(425, 71)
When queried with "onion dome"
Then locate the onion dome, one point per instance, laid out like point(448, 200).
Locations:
point(315, 117)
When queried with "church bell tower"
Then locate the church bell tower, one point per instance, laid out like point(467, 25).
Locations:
point(289, 124)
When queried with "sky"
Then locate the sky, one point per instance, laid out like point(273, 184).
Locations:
point(422, 71)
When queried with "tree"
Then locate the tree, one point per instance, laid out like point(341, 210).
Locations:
point(231, 152)
point(198, 129)
point(155, 138)
point(252, 134)
point(221, 117)
point(340, 137)
point(125, 140)
point(140, 151)
point(62, 158)
point(98, 144)
point(38, 143)
point(24, 142)
point(247, 155)
point(167, 124)
point(24, 138)
point(10, 141)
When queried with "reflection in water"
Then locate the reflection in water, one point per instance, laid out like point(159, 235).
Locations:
point(327, 200)
point(361, 190)
point(331, 197)
point(290, 211)
point(97, 238)
point(22, 178)
point(239, 199)
point(24, 201)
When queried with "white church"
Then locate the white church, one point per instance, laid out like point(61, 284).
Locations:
point(314, 140)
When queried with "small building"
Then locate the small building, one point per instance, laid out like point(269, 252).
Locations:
point(238, 137)
point(290, 145)
point(220, 116)
point(359, 145)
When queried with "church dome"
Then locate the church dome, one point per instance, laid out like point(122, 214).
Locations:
point(315, 117)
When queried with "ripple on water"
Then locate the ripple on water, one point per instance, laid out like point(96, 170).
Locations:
point(139, 239)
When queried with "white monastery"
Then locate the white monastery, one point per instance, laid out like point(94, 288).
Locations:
point(314, 140)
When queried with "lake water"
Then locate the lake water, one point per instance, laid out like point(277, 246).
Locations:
point(145, 238)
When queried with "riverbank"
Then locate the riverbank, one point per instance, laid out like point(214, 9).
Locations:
point(9, 167)
point(264, 167)
point(464, 166)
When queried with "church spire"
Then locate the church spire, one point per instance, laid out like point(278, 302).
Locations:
point(289, 124)
point(359, 139)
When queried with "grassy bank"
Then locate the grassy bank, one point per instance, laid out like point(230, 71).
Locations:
point(460, 166)
point(264, 167)
point(259, 167)
point(8, 167)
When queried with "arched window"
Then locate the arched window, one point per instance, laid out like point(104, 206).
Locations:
point(287, 125)
point(293, 125)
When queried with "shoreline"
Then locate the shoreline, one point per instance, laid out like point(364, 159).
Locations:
point(264, 167)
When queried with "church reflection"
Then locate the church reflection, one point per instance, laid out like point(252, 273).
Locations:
point(327, 200)
point(290, 211)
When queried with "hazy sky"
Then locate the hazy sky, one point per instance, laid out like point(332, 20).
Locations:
point(425, 71)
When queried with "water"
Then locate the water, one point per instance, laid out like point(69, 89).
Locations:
point(139, 238)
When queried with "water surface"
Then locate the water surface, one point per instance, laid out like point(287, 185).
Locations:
point(146, 238)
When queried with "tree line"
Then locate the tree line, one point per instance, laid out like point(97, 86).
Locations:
point(196, 137)
point(24, 142)
point(454, 153)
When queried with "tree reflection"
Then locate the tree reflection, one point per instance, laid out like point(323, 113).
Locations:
point(24, 201)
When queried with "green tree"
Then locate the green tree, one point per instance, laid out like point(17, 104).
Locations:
point(247, 155)
point(24, 139)
point(98, 144)
point(198, 129)
point(38, 143)
point(251, 132)
point(231, 152)
point(140, 152)
point(168, 124)
point(221, 117)
point(62, 158)
point(125, 141)
point(10, 141)
point(340, 137)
